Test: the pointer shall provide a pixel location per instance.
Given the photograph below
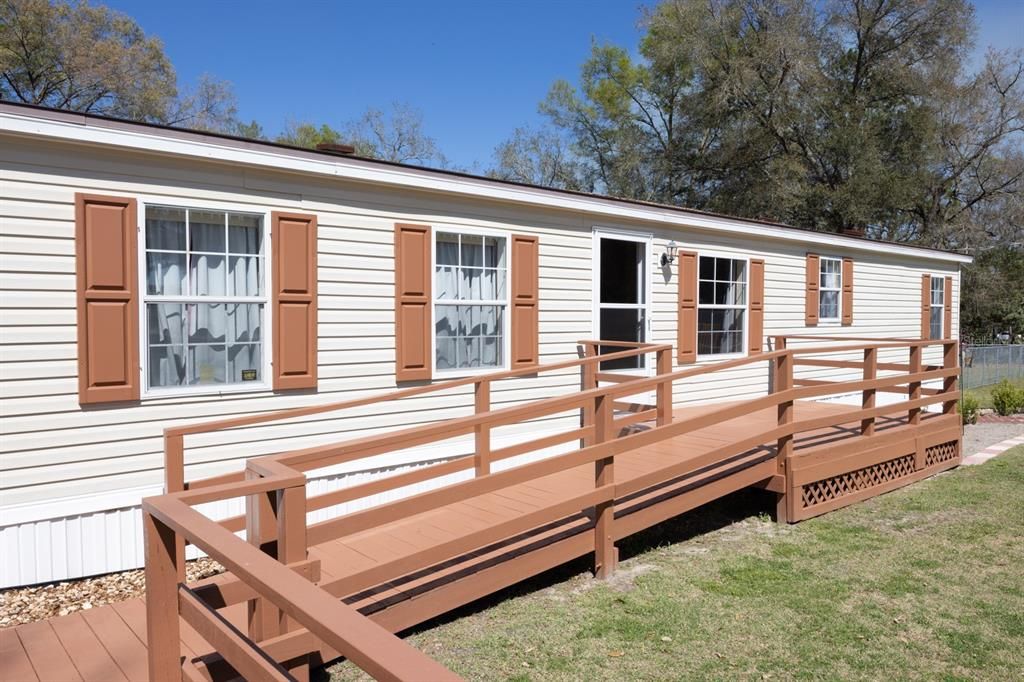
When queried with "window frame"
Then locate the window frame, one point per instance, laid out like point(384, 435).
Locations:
point(838, 319)
point(720, 306)
point(265, 384)
point(941, 306)
point(506, 343)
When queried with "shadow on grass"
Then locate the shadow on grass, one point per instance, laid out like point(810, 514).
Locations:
point(705, 519)
point(712, 516)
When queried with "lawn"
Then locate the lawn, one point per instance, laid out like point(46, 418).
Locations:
point(926, 582)
point(984, 393)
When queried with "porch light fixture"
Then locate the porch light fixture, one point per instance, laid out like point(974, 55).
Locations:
point(670, 254)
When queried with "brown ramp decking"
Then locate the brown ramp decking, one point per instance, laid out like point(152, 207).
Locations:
point(834, 466)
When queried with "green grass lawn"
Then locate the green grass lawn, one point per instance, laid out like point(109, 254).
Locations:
point(923, 583)
point(984, 393)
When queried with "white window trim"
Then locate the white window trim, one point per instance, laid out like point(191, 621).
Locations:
point(267, 351)
point(506, 331)
point(647, 239)
point(932, 306)
point(718, 306)
point(837, 320)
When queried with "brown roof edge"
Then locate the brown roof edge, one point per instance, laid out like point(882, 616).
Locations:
point(244, 142)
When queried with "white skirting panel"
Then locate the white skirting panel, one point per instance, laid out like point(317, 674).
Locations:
point(87, 544)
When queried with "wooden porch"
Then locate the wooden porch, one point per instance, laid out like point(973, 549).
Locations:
point(352, 581)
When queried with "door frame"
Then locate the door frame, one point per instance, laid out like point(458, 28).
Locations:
point(645, 238)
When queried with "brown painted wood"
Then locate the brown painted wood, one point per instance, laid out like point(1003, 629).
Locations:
point(525, 290)
point(812, 274)
point(482, 432)
point(294, 300)
point(119, 641)
point(604, 476)
point(413, 292)
point(163, 632)
point(106, 273)
point(243, 655)
point(686, 329)
point(43, 648)
point(755, 335)
point(14, 660)
point(847, 292)
point(91, 659)
point(867, 425)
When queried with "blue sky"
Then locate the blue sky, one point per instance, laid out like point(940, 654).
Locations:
point(475, 69)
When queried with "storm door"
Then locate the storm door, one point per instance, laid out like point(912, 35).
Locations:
point(622, 294)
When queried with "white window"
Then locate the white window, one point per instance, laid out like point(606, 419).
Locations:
point(938, 304)
point(721, 305)
point(830, 285)
point(470, 301)
point(204, 298)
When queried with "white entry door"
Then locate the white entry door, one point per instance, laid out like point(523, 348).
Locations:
point(622, 293)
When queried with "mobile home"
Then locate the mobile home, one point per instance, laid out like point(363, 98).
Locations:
point(154, 277)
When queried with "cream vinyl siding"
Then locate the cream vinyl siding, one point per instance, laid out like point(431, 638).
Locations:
point(65, 469)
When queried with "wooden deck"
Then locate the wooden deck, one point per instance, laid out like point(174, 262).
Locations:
point(653, 483)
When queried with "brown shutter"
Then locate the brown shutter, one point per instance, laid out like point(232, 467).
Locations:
point(106, 267)
point(294, 247)
point(847, 303)
point(812, 277)
point(525, 285)
point(412, 302)
point(947, 313)
point(686, 341)
point(926, 294)
point(755, 336)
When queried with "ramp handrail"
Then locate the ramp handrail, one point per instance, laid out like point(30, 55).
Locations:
point(276, 503)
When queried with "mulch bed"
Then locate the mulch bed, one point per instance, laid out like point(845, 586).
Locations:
point(28, 604)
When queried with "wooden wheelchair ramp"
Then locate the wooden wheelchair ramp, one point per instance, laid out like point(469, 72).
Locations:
point(298, 595)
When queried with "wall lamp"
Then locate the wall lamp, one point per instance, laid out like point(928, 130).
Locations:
point(669, 256)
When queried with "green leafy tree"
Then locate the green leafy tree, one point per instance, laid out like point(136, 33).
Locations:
point(89, 58)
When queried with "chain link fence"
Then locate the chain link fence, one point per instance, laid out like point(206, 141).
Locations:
point(987, 365)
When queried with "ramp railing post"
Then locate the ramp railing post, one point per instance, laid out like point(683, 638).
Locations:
point(162, 627)
point(174, 482)
point(482, 432)
point(783, 382)
point(292, 547)
point(260, 530)
point(604, 474)
point(588, 380)
point(949, 361)
point(914, 387)
point(664, 390)
point(867, 425)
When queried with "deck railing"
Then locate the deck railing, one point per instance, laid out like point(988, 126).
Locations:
point(284, 617)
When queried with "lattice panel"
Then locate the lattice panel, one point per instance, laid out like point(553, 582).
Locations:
point(846, 484)
point(943, 452)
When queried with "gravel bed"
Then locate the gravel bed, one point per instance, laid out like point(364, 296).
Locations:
point(977, 437)
point(28, 604)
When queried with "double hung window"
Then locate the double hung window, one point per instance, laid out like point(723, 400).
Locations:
point(830, 286)
point(721, 305)
point(470, 301)
point(936, 307)
point(204, 299)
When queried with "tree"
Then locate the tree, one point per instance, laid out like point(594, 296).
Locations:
point(393, 136)
point(538, 157)
point(308, 135)
point(86, 58)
